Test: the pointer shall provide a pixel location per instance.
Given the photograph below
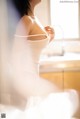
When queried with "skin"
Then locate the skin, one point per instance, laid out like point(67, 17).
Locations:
point(50, 32)
point(32, 26)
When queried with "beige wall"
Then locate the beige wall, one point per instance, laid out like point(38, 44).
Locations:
point(42, 12)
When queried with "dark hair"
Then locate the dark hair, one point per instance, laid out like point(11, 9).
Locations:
point(22, 6)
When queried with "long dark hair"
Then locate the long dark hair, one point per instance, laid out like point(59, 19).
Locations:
point(16, 9)
point(22, 6)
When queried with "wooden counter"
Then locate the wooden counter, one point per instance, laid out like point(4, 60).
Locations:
point(64, 71)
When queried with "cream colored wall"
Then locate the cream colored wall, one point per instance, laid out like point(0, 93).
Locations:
point(42, 12)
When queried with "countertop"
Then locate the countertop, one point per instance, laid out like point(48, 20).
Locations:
point(66, 62)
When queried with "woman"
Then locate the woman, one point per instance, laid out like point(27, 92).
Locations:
point(30, 39)
point(30, 28)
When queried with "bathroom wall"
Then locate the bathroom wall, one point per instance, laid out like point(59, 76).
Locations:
point(42, 11)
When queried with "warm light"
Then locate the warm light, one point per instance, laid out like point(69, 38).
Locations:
point(64, 18)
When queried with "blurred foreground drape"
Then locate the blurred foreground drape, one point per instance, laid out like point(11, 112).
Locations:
point(3, 52)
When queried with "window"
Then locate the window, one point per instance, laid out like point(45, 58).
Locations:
point(65, 18)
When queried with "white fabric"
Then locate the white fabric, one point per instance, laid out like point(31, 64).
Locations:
point(54, 106)
point(36, 47)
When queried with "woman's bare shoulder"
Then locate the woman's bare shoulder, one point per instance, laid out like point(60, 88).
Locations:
point(26, 19)
point(24, 25)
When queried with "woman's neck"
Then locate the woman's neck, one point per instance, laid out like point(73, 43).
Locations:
point(31, 12)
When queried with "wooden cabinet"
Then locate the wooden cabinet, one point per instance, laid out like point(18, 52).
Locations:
point(66, 80)
point(72, 80)
point(54, 77)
